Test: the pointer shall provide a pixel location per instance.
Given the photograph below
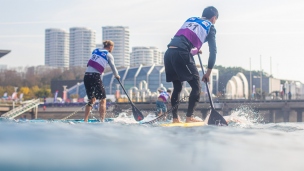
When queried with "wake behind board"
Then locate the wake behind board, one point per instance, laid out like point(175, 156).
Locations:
point(184, 124)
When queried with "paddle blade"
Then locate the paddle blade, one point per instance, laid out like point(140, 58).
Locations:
point(138, 116)
point(216, 119)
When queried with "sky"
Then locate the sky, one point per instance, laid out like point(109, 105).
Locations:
point(252, 34)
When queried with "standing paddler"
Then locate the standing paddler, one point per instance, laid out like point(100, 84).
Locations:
point(92, 80)
point(179, 62)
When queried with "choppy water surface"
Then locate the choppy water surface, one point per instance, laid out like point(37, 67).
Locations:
point(122, 145)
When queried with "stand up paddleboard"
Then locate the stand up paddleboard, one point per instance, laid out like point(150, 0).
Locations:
point(90, 120)
point(184, 124)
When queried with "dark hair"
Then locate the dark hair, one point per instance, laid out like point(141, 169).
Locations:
point(209, 12)
point(107, 43)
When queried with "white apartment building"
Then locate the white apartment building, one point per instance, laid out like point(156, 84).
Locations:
point(162, 55)
point(120, 35)
point(56, 48)
point(158, 56)
point(99, 46)
point(82, 43)
point(146, 56)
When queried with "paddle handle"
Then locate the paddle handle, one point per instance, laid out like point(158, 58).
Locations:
point(210, 99)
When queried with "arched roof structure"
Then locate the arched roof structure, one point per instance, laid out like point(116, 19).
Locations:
point(230, 89)
point(146, 76)
point(237, 86)
point(153, 76)
point(245, 84)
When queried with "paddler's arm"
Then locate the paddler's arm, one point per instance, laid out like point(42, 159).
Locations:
point(112, 65)
point(212, 52)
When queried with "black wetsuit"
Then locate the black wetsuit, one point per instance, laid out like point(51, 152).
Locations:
point(180, 66)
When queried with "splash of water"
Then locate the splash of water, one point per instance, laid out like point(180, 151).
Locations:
point(124, 118)
point(244, 116)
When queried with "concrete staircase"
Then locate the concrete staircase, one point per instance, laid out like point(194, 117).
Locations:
point(27, 105)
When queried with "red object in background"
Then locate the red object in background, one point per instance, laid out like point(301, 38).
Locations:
point(117, 94)
point(14, 96)
point(81, 100)
point(64, 95)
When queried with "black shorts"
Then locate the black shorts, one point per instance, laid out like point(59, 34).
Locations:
point(179, 65)
point(93, 85)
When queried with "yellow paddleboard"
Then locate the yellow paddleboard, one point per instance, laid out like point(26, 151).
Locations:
point(183, 124)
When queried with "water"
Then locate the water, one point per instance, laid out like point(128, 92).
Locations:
point(124, 145)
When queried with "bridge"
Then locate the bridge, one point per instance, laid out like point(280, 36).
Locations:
point(271, 111)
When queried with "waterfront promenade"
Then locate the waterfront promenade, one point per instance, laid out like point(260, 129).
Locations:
point(270, 110)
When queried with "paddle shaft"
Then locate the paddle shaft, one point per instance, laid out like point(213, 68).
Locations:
point(210, 100)
point(138, 116)
point(166, 113)
point(124, 91)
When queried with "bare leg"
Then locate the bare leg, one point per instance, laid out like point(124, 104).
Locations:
point(88, 109)
point(102, 109)
point(87, 112)
point(160, 113)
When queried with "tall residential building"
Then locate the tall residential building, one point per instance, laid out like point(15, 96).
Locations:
point(121, 37)
point(157, 56)
point(146, 56)
point(56, 48)
point(82, 43)
point(162, 55)
point(99, 46)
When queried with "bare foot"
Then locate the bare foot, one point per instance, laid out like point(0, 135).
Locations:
point(192, 119)
point(102, 120)
point(176, 120)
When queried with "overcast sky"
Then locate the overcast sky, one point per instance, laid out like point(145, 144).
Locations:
point(271, 30)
